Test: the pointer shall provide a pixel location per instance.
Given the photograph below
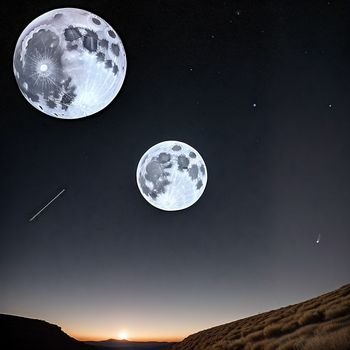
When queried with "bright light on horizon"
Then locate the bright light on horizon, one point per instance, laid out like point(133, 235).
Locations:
point(123, 335)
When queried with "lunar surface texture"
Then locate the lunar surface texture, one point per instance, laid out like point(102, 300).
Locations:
point(171, 175)
point(69, 63)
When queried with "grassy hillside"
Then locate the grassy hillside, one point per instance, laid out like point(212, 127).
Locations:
point(321, 323)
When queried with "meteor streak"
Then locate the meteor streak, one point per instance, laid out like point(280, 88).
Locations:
point(49, 203)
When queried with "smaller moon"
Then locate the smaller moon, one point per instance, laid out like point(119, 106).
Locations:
point(171, 175)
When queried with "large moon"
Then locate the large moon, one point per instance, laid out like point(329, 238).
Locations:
point(171, 175)
point(69, 63)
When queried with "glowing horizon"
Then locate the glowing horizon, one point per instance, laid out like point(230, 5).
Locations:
point(129, 339)
point(127, 335)
point(95, 318)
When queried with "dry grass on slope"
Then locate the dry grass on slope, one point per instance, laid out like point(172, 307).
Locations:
point(338, 340)
point(321, 323)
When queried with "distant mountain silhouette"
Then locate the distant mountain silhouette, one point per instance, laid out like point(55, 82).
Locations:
point(20, 333)
point(321, 323)
point(131, 345)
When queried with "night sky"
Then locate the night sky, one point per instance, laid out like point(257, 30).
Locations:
point(261, 89)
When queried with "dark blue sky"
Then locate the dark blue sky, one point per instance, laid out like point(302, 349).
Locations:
point(101, 259)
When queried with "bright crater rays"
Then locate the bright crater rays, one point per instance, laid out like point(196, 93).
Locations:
point(171, 175)
point(43, 67)
point(69, 63)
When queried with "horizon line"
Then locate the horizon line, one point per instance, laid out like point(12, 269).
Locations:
point(144, 340)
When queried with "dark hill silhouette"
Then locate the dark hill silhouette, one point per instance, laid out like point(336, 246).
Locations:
point(321, 323)
point(20, 333)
